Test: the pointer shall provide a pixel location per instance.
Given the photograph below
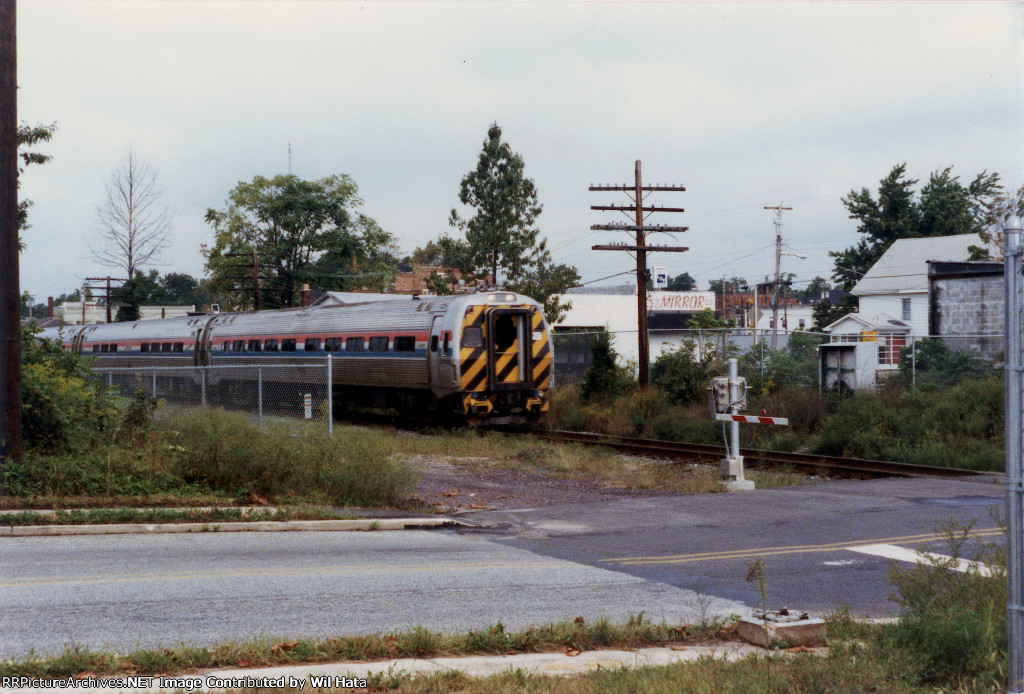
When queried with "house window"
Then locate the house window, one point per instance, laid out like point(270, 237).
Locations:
point(889, 347)
point(802, 324)
point(906, 309)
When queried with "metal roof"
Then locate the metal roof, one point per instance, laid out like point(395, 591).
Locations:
point(904, 267)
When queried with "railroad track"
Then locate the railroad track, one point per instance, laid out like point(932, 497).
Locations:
point(800, 461)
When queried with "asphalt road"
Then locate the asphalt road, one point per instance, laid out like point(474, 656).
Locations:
point(802, 535)
point(661, 555)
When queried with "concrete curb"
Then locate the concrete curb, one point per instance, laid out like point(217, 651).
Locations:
point(364, 524)
point(288, 677)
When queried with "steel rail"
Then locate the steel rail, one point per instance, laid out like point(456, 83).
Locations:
point(806, 461)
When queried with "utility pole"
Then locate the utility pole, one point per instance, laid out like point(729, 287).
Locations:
point(10, 294)
point(778, 268)
point(109, 298)
point(641, 248)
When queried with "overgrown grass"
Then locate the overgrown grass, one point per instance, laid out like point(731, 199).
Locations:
point(210, 452)
point(961, 426)
point(637, 632)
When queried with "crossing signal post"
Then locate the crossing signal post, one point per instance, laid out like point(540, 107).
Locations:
point(640, 229)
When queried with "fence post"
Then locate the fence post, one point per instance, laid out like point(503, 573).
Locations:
point(913, 363)
point(762, 357)
point(330, 398)
point(154, 384)
point(202, 383)
point(259, 393)
point(1014, 462)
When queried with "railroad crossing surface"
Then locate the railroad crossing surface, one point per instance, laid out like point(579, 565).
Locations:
point(824, 546)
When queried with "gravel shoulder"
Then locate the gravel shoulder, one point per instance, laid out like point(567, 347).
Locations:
point(468, 485)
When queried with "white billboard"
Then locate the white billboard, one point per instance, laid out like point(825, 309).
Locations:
point(683, 302)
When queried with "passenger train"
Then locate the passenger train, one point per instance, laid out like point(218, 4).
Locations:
point(484, 358)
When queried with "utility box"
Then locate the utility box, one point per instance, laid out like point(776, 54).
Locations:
point(720, 391)
point(847, 365)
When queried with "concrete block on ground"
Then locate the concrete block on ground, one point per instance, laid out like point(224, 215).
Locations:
point(797, 631)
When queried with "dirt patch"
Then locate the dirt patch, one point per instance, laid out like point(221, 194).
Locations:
point(465, 484)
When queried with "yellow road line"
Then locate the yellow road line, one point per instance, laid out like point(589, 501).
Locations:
point(291, 571)
point(795, 549)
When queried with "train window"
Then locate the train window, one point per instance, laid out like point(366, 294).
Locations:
point(226, 346)
point(255, 345)
point(165, 347)
point(104, 348)
point(505, 333)
point(354, 344)
point(312, 344)
point(288, 345)
point(405, 344)
point(179, 346)
point(95, 348)
point(472, 337)
point(433, 344)
point(113, 348)
point(378, 344)
point(332, 344)
point(447, 336)
point(144, 347)
point(238, 346)
point(270, 346)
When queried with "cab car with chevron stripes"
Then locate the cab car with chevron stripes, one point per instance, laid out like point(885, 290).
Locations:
point(483, 358)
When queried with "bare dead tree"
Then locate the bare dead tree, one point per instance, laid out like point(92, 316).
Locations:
point(133, 223)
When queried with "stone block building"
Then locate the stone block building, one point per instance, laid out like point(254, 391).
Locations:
point(966, 306)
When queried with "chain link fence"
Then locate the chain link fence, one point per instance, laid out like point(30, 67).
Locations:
point(297, 395)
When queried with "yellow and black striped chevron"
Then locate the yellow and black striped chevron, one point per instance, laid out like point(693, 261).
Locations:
point(473, 360)
point(541, 354)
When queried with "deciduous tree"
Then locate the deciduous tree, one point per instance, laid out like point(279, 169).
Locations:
point(304, 232)
point(133, 221)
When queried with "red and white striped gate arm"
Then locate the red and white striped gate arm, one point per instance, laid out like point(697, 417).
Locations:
point(752, 419)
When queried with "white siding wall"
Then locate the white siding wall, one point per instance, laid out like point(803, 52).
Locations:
point(892, 304)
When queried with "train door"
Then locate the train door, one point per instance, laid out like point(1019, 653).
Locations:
point(202, 354)
point(434, 354)
point(509, 348)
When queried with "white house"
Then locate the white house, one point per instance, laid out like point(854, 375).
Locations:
point(893, 295)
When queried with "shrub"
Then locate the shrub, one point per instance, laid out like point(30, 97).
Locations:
point(604, 378)
point(954, 622)
point(683, 373)
point(931, 362)
point(64, 407)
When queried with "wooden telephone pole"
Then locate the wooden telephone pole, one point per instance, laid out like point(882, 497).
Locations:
point(635, 193)
point(10, 295)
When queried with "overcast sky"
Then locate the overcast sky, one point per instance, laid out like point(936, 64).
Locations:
point(745, 104)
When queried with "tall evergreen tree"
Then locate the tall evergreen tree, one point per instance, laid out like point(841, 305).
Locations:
point(501, 236)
